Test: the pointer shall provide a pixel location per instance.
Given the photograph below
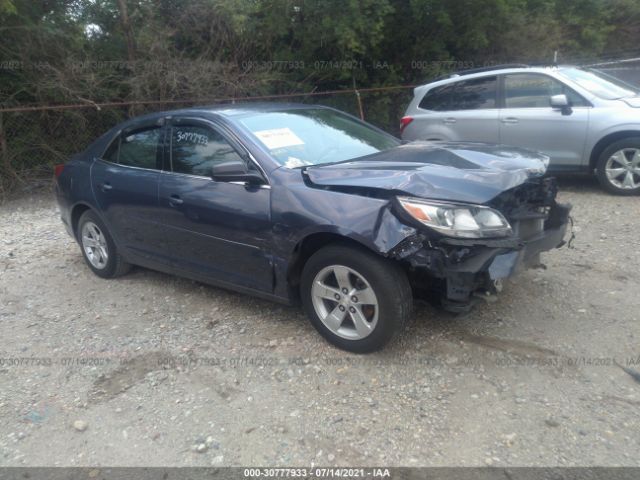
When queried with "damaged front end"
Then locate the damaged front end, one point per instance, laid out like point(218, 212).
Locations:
point(469, 215)
point(460, 270)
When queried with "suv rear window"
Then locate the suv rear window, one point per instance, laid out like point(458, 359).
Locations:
point(473, 94)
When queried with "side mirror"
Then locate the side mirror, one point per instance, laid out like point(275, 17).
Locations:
point(235, 171)
point(561, 102)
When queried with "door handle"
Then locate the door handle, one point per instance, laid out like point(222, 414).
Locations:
point(105, 187)
point(509, 120)
point(175, 200)
point(449, 121)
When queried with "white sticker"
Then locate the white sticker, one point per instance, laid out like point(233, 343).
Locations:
point(278, 138)
point(293, 162)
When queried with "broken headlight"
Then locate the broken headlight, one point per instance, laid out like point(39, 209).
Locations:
point(457, 220)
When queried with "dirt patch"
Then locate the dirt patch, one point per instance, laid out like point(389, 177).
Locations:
point(133, 370)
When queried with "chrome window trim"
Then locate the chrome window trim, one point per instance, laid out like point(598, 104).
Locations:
point(245, 184)
point(158, 170)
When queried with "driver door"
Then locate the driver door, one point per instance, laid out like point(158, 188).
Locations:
point(215, 229)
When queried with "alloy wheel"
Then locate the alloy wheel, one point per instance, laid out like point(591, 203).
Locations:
point(95, 245)
point(345, 302)
point(623, 168)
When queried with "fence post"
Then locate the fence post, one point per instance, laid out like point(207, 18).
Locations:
point(4, 150)
point(358, 98)
point(359, 104)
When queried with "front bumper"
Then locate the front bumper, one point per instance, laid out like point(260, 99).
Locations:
point(507, 264)
point(462, 267)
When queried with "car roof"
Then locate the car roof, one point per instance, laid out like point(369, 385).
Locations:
point(235, 109)
point(485, 72)
point(228, 110)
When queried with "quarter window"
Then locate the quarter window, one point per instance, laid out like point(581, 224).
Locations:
point(535, 91)
point(438, 98)
point(195, 149)
point(140, 148)
point(111, 155)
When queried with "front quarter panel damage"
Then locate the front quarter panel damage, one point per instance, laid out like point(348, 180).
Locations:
point(454, 268)
point(460, 267)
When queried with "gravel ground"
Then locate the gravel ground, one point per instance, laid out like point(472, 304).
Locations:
point(150, 369)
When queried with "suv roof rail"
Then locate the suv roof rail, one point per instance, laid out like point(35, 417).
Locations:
point(469, 71)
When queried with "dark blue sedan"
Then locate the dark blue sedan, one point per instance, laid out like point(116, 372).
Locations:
point(299, 203)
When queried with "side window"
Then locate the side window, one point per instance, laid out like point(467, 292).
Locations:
point(438, 98)
point(111, 154)
point(534, 91)
point(475, 94)
point(195, 149)
point(140, 148)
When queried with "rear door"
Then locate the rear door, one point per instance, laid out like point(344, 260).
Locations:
point(125, 184)
point(219, 230)
point(466, 110)
point(527, 119)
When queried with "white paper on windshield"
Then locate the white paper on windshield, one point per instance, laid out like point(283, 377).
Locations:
point(293, 162)
point(278, 138)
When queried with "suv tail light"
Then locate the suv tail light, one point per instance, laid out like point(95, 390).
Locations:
point(57, 170)
point(404, 122)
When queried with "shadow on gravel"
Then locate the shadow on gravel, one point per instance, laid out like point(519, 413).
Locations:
point(579, 183)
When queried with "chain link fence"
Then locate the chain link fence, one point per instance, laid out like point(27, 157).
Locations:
point(33, 139)
point(627, 70)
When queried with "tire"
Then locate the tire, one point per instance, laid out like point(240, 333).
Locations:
point(335, 315)
point(628, 181)
point(96, 243)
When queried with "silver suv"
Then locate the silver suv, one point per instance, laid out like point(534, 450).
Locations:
point(583, 120)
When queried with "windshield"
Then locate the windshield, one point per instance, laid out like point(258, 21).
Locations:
point(596, 83)
point(315, 136)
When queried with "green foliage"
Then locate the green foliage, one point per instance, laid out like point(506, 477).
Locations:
point(86, 51)
point(327, 43)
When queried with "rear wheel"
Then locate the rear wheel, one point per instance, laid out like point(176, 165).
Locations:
point(618, 168)
point(355, 299)
point(98, 248)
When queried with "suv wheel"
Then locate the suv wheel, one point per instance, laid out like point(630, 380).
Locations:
point(355, 299)
point(618, 168)
point(98, 248)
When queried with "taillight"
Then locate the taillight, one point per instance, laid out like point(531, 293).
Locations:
point(57, 170)
point(404, 121)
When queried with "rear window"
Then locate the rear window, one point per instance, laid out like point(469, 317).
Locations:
point(473, 94)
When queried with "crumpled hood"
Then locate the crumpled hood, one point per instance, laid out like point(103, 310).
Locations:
point(457, 172)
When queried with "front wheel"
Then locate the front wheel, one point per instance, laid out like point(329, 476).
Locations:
point(354, 298)
point(618, 168)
